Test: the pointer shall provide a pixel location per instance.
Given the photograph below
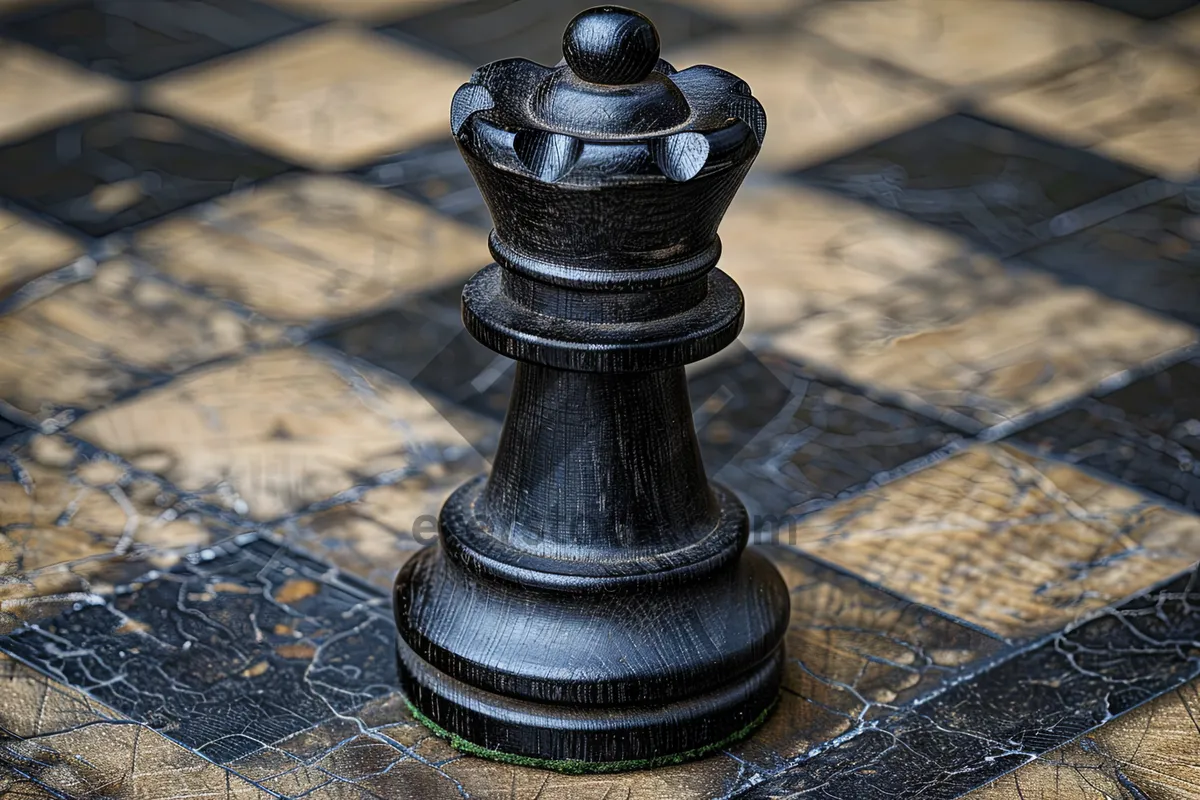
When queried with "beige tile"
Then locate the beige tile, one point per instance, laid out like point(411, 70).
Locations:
point(753, 10)
point(80, 748)
point(71, 528)
point(310, 247)
point(1186, 27)
point(1140, 104)
point(797, 252)
point(361, 9)
point(330, 98)
point(819, 102)
point(274, 432)
point(1016, 544)
point(376, 533)
point(1152, 748)
point(956, 45)
point(39, 91)
point(89, 342)
point(974, 338)
point(29, 250)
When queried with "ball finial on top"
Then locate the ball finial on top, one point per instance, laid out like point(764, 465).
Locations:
point(611, 45)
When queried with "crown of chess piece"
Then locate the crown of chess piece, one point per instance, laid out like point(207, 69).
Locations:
point(591, 604)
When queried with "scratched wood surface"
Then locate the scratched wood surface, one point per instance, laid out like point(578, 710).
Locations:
point(235, 390)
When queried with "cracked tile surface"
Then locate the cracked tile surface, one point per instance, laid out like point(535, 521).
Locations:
point(312, 247)
point(124, 329)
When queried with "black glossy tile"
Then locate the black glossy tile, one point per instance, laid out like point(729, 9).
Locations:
point(1150, 257)
point(236, 648)
point(1019, 707)
point(480, 31)
point(790, 442)
point(997, 186)
point(436, 175)
point(137, 39)
point(1148, 9)
point(122, 168)
point(1147, 434)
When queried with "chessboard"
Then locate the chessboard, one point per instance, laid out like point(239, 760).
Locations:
point(964, 413)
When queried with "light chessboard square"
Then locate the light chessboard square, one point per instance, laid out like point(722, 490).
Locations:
point(365, 10)
point(332, 98)
point(39, 91)
point(29, 250)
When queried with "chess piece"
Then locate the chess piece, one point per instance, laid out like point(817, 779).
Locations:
point(590, 605)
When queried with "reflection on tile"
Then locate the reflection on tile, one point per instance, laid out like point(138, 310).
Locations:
point(90, 342)
point(331, 98)
point(978, 729)
point(1147, 434)
point(29, 250)
point(275, 432)
point(372, 536)
point(38, 91)
point(789, 442)
point(820, 102)
point(313, 247)
point(72, 527)
point(1149, 256)
point(436, 175)
point(133, 40)
point(935, 39)
point(983, 342)
point(1148, 9)
point(1016, 544)
point(1148, 753)
point(797, 252)
point(122, 168)
point(992, 184)
point(67, 745)
point(233, 649)
point(479, 31)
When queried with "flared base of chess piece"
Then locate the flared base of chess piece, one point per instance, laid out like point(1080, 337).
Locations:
point(618, 669)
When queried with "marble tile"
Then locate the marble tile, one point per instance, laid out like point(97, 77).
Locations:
point(1016, 544)
point(273, 433)
point(789, 442)
point(436, 175)
point(1146, 434)
point(797, 252)
point(984, 342)
point(819, 101)
point(997, 186)
point(67, 745)
point(1186, 27)
point(1020, 706)
point(124, 329)
point(1149, 256)
point(1148, 9)
point(1165, 142)
point(122, 168)
point(363, 10)
point(373, 535)
point(135, 40)
point(29, 250)
point(39, 91)
point(1150, 752)
point(480, 31)
point(313, 247)
point(1001, 38)
point(752, 11)
point(331, 98)
point(74, 525)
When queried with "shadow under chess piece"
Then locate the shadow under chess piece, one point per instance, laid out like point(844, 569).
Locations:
point(590, 605)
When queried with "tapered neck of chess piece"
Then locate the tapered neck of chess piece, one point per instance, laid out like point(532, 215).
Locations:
point(606, 177)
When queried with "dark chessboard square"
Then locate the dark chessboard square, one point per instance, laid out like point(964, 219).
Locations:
point(1149, 256)
point(1146, 434)
point(7, 428)
point(116, 170)
point(1148, 9)
point(790, 442)
point(995, 185)
point(436, 175)
point(481, 31)
point(138, 39)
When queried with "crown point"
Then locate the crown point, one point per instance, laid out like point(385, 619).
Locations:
point(611, 45)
